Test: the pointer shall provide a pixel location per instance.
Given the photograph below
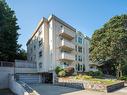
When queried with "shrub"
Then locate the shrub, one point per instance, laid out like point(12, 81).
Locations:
point(69, 71)
point(90, 73)
point(123, 78)
point(58, 69)
point(98, 74)
point(62, 73)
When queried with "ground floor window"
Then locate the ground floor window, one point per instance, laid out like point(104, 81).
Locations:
point(80, 67)
point(40, 65)
point(64, 64)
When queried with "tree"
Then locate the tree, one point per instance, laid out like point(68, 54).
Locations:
point(8, 33)
point(110, 43)
point(21, 55)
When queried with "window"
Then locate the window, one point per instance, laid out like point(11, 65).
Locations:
point(35, 38)
point(40, 42)
point(31, 50)
point(80, 40)
point(75, 57)
point(65, 64)
point(80, 67)
point(75, 48)
point(40, 32)
point(34, 47)
point(75, 38)
point(64, 51)
point(40, 53)
point(34, 57)
point(83, 67)
point(91, 67)
point(31, 59)
point(61, 26)
point(40, 65)
point(80, 49)
point(61, 38)
point(80, 58)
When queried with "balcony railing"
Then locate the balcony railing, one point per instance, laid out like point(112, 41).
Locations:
point(67, 33)
point(24, 64)
point(67, 44)
point(67, 56)
point(17, 64)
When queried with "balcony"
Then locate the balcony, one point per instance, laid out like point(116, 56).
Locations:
point(67, 56)
point(66, 45)
point(67, 33)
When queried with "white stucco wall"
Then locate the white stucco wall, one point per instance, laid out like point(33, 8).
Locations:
point(4, 72)
point(16, 87)
point(50, 30)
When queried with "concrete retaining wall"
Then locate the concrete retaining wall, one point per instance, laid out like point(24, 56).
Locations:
point(88, 85)
point(4, 72)
point(115, 87)
point(16, 87)
point(72, 85)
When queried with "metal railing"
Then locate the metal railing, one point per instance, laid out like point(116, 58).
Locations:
point(6, 64)
point(21, 64)
point(68, 31)
point(28, 88)
point(67, 43)
point(25, 65)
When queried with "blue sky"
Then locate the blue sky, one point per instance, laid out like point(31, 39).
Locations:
point(84, 15)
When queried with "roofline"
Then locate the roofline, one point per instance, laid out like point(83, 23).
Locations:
point(38, 26)
point(60, 21)
point(48, 20)
point(84, 35)
point(88, 38)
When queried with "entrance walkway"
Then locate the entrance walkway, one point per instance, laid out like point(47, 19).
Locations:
point(49, 89)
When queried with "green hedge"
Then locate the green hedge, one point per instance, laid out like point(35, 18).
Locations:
point(64, 72)
point(97, 74)
point(123, 78)
point(58, 69)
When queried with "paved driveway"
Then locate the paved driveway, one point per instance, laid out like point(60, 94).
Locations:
point(48, 89)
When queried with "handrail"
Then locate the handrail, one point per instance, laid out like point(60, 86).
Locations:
point(17, 65)
point(6, 64)
point(28, 88)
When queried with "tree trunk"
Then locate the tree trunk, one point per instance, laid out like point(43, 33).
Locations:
point(118, 71)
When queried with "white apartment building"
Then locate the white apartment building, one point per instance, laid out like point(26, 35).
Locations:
point(56, 43)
